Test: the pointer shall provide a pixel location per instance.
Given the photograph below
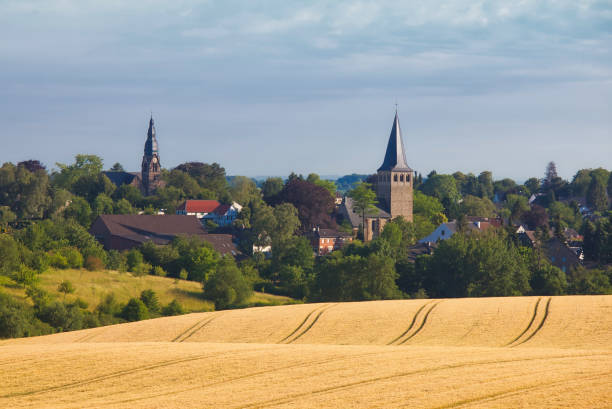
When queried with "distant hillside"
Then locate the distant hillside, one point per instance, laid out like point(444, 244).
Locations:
point(92, 286)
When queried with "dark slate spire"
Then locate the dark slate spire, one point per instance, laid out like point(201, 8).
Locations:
point(151, 143)
point(395, 157)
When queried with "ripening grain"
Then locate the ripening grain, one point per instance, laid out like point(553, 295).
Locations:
point(490, 352)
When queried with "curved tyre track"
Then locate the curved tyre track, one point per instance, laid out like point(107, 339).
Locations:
point(533, 317)
point(302, 323)
point(314, 321)
point(185, 335)
point(422, 323)
point(518, 341)
point(414, 317)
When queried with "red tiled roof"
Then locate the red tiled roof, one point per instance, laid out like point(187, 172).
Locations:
point(199, 206)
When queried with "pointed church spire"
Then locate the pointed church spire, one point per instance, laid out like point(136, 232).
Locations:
point(151, 143)
point(395, 157)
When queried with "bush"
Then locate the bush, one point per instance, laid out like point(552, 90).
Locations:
point(158, 271)
point(142, 269)
point(116, 261)
point(93, 263)
point(64, 317)
point(135, 310)
point(17, 319)
point(149, 298)
point(108, 309)
point(227, 285)
point(183, 274)
point(134, 259)
point(174, 308)
point(58, 261)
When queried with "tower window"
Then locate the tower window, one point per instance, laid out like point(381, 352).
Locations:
point(408, 177)
point(395, 177)
point(402, 177)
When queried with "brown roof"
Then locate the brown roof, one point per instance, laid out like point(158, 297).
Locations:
point(160, 229)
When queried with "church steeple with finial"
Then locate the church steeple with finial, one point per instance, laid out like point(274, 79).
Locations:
point(151, 167)
point(394, 178)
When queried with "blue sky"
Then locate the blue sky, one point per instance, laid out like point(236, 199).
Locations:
point(270, 87)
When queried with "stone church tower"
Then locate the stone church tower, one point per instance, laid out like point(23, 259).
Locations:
point(151, 168)
point(394, 178)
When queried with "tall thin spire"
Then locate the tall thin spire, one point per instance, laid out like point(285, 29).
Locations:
point(395, 157)
point(151, 143)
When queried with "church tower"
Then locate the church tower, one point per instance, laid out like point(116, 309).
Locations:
point(394, 178)
point(151, 168)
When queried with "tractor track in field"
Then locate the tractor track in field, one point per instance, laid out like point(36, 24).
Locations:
point(301, 324)
point(515, 391)
point(89, 336)
point(526, 335)
point(204, 323)
point(414, 317)
point(422, 323)
point(323, 391)
point(546, 311)
point(314, 321)
point(182, 334)
point(252, 375)
point(533, 317)
point(123, 373)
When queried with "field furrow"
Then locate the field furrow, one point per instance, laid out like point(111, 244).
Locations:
point(302, 324)
point(414, 318)
point(423, 322)
point(309, 326)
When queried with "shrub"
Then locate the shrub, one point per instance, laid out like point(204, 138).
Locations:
point(17, 319)
point(62, 316)
point(183, 274)
point(93, 263)
point(73, 257)
point(58, 261)
point(227, 286)
point(133, 259)
point(142, 269)
point(158, 271)
point(135, 310)
point(174, 308)
point(149, 298)
point(65, 287)
point(116, 261)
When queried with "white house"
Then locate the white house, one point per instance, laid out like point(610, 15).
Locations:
point(442, 232)
point(220, 214)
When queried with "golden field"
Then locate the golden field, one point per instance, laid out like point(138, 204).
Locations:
point(487, 352)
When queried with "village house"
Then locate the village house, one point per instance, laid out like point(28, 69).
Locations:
point(324, 241)
point(126, 231)
point(446, 230)
point(220, 214)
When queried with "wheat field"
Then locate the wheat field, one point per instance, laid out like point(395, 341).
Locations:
point(487, 352)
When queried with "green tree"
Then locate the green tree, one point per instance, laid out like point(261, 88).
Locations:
point(597, 197)
point(9, 255)
point(135, 310)
point(150, 299)
point(65, 287)
point(117, 167)
point(244, 190)
point(442, 187)
point(475, 206)
point(80, 211)
point(485, 183)
point(84, 165)
point(327, 184)
point(103, 204)
point(173, 308)
point(271, 188)
point(517, 205)
point(227, 286)
point(364, 200)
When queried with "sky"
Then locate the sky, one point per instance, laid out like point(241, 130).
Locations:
point(271, 87)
